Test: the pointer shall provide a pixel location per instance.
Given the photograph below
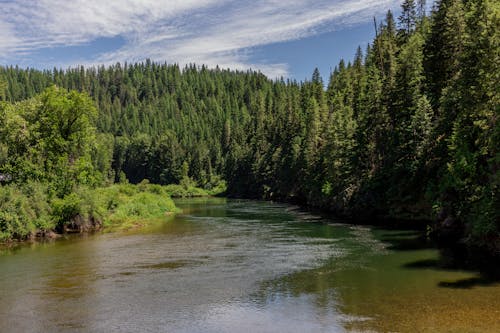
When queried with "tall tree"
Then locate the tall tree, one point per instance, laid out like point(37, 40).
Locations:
point(408, 17)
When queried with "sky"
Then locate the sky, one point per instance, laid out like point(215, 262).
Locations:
point(280, 38)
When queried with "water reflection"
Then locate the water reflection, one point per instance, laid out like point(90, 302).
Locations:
point(239, 266)
point(40, 285)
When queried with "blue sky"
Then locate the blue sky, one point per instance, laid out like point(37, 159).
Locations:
point(280, 38)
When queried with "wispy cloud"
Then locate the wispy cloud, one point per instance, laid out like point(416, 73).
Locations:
point(211, 32)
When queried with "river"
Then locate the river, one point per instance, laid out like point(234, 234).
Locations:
point(241, 266)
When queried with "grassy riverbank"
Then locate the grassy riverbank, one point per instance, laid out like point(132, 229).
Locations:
point(28, 211)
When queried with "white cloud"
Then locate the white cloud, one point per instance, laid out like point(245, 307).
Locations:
point(211, 32)
point(7, 38)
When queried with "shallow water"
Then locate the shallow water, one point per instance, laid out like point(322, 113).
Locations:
point(241, 266)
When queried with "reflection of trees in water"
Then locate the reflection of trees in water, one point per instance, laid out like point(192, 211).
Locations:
point(328, 287)
point(336, 275)
point(394, 285)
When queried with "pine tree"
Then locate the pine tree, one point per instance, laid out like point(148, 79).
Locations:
point(408, 17)
point(421, 9)
point(444, 47)
point(474, 141)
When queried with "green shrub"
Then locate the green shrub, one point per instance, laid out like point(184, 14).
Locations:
point(180, 191)
point(26, 209)
point(127, 205)
point(66, 208)
point(23, 211)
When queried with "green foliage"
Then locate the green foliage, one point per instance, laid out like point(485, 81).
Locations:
point(119, 206)
point(23, 211)
point(408, 129)
point(65, 209)
point(126, 206)
point(472, 169)
point(215, 186)
point(50, 138)
point(3, 88)
point(183, 191)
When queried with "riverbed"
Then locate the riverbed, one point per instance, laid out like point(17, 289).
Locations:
point(241, 266)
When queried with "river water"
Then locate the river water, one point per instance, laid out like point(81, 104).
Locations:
point(241, 266)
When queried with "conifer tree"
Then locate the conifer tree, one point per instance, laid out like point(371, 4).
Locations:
point(408, 17)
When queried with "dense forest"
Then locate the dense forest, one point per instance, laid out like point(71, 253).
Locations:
point(406, 130)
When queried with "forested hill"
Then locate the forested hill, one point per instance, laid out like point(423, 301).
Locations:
point(407, 129)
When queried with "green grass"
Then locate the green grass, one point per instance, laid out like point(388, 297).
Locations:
point(128, 206)
point(180, 191)
point(189, 190)
point(28, 209)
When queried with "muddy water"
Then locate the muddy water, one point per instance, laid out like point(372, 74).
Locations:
point(241, 266)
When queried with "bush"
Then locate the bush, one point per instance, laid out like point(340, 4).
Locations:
point(67, 208)
point(180, 191)
point(27, 209)
point(128, 205)
point(23, 211)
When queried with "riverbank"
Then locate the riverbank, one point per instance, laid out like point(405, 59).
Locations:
point(28, 212)
point(257, 264)
point(440, 232)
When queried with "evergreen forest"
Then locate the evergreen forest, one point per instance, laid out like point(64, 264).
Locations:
point(406, 130)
